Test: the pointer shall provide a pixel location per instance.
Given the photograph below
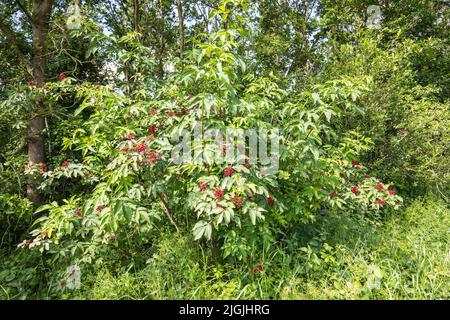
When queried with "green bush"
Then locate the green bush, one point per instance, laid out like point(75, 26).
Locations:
point(341, 256)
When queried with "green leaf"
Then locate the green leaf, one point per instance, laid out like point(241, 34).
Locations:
point(252, 214)
point(127, 213)
point(199, 229)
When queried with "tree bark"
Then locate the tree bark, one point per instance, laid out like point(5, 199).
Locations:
point(36, 152)
point(181, 27)
point(136, 17)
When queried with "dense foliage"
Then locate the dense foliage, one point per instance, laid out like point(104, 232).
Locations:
point(129, 189)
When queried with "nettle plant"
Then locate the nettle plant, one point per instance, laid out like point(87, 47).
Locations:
point(129, 133)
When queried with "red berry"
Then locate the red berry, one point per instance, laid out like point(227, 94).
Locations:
point(62, 76)
point(333, 194)
point(218, 194)
point(141, 147)
point(202, 186)
point(32, 84)
point(228, 172)
point(131, 136)
point(79, 213)
point(237, 201)
point(153, 157)
point(43, 167)
point(270, 201)
point(171, 113)
point(380, 202)
point(392, 192)
point(153, 111)
point(153, 129)
point(379, 187)
point(247, 165)
point(354, 163)
point(260, 267)
point(66, 164)
point(355, 190)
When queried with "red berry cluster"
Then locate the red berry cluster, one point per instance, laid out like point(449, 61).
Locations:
point(228, 172)
point(202, 186)
point(100, 208)
point(153, 129)
point(43, 167)
point(153, 157)
point(218, 194)
point(237, 201)
point(142, 147)
point(259, 267)
point(61, 76)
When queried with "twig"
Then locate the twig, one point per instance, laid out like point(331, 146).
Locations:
point(167, 210)
point(25, 11)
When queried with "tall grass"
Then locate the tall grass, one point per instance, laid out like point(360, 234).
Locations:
point(405, 255)
point(402, 255)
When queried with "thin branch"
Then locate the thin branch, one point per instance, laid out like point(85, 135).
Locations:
point(25, 11)
point(167, 210)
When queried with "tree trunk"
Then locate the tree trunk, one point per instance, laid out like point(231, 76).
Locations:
point(136, 17)
point(40, 22)
point(181, 27)
point(162, 43)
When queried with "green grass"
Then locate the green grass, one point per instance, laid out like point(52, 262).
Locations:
point(405, 255)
